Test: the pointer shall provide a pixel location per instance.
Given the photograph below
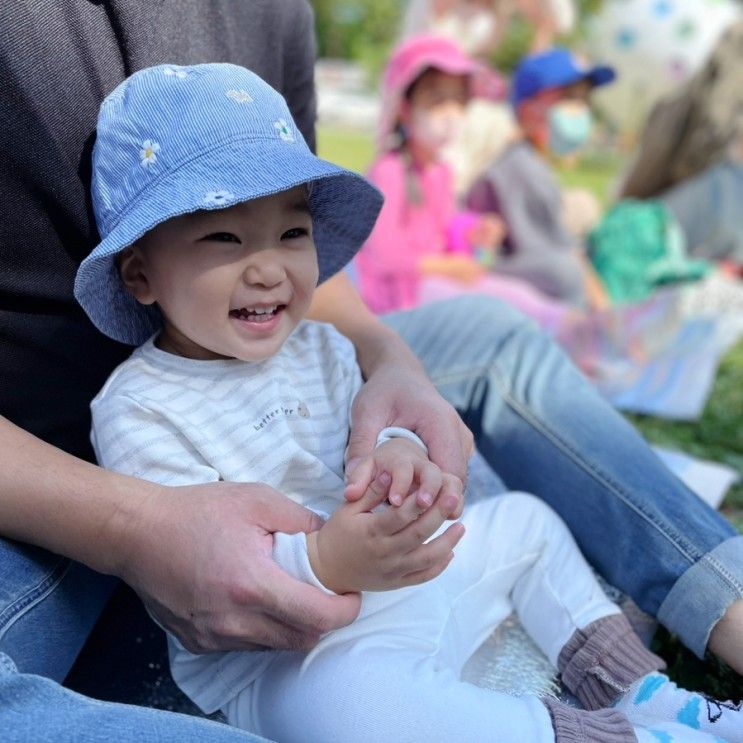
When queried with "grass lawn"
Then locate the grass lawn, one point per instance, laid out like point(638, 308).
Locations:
point(717, 436)
point(351, 149)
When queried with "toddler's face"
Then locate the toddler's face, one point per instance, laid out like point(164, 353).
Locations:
point(433, 110)
point(231, 283)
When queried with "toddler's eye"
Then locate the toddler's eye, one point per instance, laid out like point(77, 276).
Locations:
point(222, 237)
point(294, 233)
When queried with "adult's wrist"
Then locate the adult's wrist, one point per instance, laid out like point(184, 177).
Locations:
point(66, 505)
point(136, 517)
point(380, 347)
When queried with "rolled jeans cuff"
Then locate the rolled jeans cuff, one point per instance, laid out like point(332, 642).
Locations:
point(702, 595)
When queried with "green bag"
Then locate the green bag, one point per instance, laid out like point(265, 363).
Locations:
point(637, 247)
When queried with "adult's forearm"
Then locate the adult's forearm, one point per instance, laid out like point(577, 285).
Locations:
point(336, 301)
point(53, 500)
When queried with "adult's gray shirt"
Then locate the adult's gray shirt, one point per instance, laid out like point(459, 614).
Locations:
point(58, 60)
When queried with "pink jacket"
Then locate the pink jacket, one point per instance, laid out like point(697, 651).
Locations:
point(404, 233)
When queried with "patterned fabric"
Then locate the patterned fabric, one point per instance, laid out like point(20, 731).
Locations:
point(655, 697)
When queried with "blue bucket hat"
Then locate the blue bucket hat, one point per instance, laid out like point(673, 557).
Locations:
point(553, 69)
point(172, 140)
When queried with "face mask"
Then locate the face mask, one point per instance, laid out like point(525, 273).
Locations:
point(435, 131)
point(472, 32)
point(569, 128)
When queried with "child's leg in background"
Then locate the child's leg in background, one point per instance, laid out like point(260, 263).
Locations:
point(549, 314)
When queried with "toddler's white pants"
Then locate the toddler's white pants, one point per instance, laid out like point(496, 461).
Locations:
point(394, 674)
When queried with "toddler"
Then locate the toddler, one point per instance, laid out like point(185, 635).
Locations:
point(217, 222)
point(550, 96)
point(422, 248)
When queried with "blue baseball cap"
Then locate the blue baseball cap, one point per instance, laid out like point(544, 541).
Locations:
point(553, 69)
point(172, 140)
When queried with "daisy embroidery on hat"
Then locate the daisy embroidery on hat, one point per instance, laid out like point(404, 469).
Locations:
point(284, 131)
point(175, 72)
point(239, 96)
point(148, 153)
point(218, 198)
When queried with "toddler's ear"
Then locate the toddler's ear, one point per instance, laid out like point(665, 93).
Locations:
point(132, 271)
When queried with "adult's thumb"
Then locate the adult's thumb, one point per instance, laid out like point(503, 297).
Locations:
point(365, 428)
point(275, 512)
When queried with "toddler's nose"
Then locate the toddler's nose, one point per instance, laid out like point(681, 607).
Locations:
point(264, 270)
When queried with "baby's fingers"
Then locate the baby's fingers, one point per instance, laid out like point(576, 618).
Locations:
point(402, 479)
point(393, 520)
point(430, 479)
point(430, 559)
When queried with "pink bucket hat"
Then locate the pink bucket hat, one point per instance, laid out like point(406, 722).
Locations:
point(408, 61)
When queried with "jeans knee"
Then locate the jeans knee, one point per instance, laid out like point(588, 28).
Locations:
point(489, 312)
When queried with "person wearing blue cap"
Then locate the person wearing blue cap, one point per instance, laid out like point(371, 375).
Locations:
point(217, 222)
point(549, 93)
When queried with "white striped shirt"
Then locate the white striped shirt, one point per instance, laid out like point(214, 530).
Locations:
point(283, 421)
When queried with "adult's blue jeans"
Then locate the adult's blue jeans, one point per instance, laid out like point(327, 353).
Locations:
point(545, 430)
point(35, 708)
point(541, 427)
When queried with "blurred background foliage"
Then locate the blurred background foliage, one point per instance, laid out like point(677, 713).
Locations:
point(366, 30)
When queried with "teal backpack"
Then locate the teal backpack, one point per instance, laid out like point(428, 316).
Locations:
point(637, 247)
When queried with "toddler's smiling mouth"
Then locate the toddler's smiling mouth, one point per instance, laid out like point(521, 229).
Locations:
point(258, 314)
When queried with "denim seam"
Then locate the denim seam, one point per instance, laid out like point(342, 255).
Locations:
point(678, 542)
point(734, 582)
point(690, 553)
point(12, 613)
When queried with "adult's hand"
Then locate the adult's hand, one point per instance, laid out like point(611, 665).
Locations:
point(397, 391)
point(200, 557)
point(404, 396)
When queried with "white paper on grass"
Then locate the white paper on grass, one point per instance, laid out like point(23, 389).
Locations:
point(709, 480)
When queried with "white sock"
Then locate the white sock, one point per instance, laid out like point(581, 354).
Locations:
point(670, 732)
point(656, 699)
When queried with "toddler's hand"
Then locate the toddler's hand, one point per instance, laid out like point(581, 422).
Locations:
point(488, 232)
point(396, 466)
point(357, 550)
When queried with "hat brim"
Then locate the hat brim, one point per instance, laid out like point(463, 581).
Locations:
point(344, 208)
point(601, 75)
point(597, 76)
